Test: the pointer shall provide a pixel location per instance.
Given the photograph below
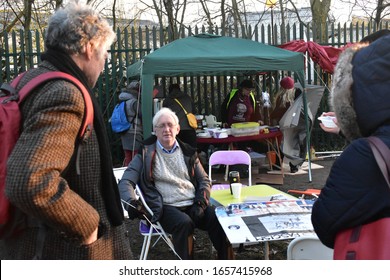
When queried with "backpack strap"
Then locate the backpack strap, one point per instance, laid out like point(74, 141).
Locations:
point(87, 124)
point(382, 155)
point(134, 109)
point(86, 128)
point(185, 111)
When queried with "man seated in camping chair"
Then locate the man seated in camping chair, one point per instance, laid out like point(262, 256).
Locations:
point(175, 187)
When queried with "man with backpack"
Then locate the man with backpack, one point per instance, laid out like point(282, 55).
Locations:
point(65, 199)
point(131, 138)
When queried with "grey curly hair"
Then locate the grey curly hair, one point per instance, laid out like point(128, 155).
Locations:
point(72, 27)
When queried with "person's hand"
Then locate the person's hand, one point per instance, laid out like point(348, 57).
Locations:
point(335, 130)
point(136, 210)
point(92, 238)
point(330, 114)
point(196, 213)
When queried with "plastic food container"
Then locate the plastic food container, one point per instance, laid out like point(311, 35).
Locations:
point(220, 133)
point(245, 129)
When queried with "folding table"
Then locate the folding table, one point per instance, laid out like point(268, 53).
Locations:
point(262, 214)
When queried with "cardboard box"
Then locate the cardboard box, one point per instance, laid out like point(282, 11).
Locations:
point(257, 159)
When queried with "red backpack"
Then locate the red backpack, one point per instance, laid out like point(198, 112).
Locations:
point(10, 126)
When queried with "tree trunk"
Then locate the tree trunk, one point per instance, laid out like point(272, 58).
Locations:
point(320, 11)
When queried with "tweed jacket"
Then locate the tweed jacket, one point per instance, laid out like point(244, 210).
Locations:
point(43, 184)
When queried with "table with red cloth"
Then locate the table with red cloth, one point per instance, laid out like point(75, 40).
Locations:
point(272, 138)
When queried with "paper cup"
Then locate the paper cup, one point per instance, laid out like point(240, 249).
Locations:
point(236, 189)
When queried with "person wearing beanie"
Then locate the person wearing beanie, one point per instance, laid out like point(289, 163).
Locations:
point(133, 137)
point(293, 146)
point(356, 192)
point(283, 100)
point(239, 105)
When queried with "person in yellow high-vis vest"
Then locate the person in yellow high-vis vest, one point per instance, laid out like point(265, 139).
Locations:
point(239, 105)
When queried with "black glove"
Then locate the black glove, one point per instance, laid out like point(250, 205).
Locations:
point(136, 210)
point(196, 213)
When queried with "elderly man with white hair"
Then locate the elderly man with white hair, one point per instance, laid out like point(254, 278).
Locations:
point(175, 186)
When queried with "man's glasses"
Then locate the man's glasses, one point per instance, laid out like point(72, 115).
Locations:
point(162, 125)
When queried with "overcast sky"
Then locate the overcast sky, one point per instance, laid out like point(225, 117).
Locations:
point(341, 11)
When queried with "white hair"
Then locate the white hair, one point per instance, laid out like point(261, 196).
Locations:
point(163, 112)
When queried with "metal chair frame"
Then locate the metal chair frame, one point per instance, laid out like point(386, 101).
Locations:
point(146, 228)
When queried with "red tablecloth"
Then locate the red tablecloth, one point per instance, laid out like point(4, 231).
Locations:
point(231, 139)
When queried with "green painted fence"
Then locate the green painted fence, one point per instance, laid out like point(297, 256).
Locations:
point(20, 51)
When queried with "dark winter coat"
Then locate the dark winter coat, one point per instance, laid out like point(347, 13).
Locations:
point(132, 138)
point(140, 171)
point(185, 101)
point(356, 192)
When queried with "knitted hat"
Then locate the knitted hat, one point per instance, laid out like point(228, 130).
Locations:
point(247, 84)
point(287, 83)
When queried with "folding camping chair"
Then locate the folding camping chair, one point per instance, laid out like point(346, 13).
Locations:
point(118, 173)
point(149, 230)
point(229, 157)
point(145, 228)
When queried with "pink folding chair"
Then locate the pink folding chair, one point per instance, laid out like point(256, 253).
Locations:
point(229, 157)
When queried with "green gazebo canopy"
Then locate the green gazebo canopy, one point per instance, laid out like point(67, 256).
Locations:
point(210, 55)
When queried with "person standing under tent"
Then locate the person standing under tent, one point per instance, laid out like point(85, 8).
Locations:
point(187, 134)
point(133, 137)
point(239, 105)
point(283, 100)
point(293, 144)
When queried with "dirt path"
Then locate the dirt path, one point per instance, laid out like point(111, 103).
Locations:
point(202, 249)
